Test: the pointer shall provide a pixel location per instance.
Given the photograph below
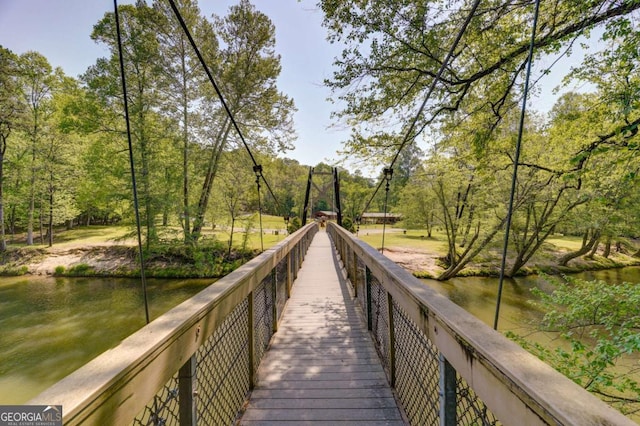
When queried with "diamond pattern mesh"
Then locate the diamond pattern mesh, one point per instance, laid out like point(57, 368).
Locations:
point(262, 318)
point(471, 410)
point(379, 322)
point(163, 410)
point(362, 295)
point(222, 379)
point(281, 286)
point(222, 375)
point(417, 371)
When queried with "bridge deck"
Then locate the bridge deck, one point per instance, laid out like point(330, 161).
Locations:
point(321, 367)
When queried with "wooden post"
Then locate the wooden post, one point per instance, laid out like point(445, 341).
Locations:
point(186, 393)
point(448, 401)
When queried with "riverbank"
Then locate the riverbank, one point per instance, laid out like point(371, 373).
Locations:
point(108, 259)
point(419, 255)
point(426, 264)
point(422, 255)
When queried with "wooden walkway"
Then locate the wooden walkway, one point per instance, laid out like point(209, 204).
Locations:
point(321, 367)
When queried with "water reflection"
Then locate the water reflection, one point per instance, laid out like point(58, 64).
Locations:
point(52, 326)
point(478, 295)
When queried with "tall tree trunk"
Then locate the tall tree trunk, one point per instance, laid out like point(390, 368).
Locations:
point(233, 222)
point(32, 206)
point(467, 230)
point(587, 245)
point(469, 254)
point(50, 230)
point(607, 248)
point(186, 221)
point(207, 185)
point(594, 249)
point(3, 149)
point(41, 223)
point(529, 249)
point(145, 184)
point(32, 189)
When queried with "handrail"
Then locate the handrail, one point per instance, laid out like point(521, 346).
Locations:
point(116, 386)
point(516, 387)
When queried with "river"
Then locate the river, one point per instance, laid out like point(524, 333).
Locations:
point(50, 327)
point(477, 295)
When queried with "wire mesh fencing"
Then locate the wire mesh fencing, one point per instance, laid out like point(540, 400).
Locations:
point(211, 388)
point(413, 364)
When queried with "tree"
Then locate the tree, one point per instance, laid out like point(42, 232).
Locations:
point(600, 323)
point(38, 82)
point(607, 125)
point(61, 152)
point(182, 82)
point(249, 71)
point(394, 49)
point(418, 203)
point(355, 192)
point(237, 190)
point(11, 113)
point(140, 56)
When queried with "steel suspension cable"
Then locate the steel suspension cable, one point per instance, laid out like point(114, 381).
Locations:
point(131, 162)
point(258, 171)
point(516, 158)
point(408, 136)
point(388, 174)
point(219, 93)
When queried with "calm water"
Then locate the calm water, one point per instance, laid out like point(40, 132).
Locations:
point(477, 295)
point(49, 327)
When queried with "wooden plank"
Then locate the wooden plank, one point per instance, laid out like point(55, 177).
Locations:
point(323, 423)
point(322, 403)
point(321, 366)
point(294, 414)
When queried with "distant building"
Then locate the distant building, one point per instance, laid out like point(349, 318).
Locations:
point(324, 214)
point(380, 218)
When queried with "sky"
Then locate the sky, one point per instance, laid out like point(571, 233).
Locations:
point(60, 30)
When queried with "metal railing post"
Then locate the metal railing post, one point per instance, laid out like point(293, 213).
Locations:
point(289, 275)
point(367, 283)
point(355, 274)
point(392, 342)
point(251, 341)
point(187, 392)
point(448, 400)
point(274, 296)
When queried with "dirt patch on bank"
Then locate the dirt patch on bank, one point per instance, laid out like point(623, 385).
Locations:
point(418, 262)
point(103, 257)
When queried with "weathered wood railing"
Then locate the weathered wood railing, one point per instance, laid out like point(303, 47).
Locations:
point(194, 364)
point(449, 368)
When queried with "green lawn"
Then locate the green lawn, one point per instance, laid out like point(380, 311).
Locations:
point(396, 237)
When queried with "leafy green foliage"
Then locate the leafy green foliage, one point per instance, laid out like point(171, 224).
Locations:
point(394, 49)
point(599, 327)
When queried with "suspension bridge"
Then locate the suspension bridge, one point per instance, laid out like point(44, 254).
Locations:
point(321, 329)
